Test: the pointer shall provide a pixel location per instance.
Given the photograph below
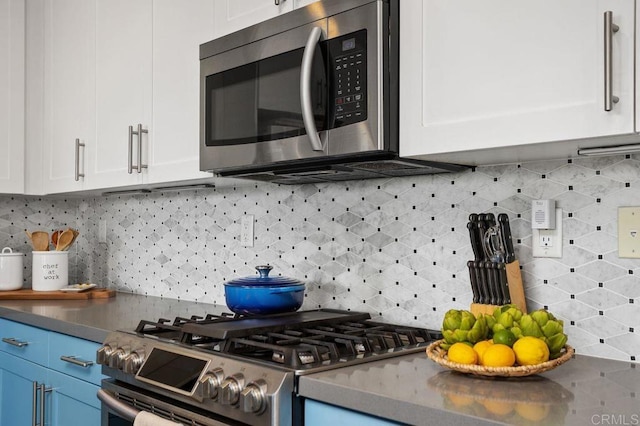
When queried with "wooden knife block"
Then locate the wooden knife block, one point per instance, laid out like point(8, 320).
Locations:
point(516, 291)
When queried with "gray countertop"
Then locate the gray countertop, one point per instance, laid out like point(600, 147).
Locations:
point(413, 389)
point(410, 389)
point(92, 319)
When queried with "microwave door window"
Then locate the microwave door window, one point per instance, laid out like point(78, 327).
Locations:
point(260, 101)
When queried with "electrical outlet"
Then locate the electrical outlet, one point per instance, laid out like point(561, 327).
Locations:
point(629, 232)
point(548, 242)
point(246, 230)
point(102, 231)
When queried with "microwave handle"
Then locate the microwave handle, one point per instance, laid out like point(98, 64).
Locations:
point(305, 89)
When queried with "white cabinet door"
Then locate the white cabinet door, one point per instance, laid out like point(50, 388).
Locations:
point(232, 15)
point(174, 132)
point(69, 86)
point(497, 73)
point(123, 89)
point(12, 74)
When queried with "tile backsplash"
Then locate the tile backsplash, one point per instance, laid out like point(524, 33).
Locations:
point(396, 248)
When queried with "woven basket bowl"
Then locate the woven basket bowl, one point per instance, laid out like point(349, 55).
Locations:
point(439, 355)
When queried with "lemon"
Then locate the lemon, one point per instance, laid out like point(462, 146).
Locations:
point(533, 412)
point(463, 354)
point(498, 355)
point(500, 408)
point(531, 351)
point(505, 337)
point(480, 347)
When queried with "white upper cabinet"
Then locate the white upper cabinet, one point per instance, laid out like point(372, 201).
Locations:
point(113, 67)
point(233, 15)
point(12, 95)
point(484, 82)
point(123, 55)
point(69, 93)
point(174, 134)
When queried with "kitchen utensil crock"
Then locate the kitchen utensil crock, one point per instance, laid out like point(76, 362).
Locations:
point(264, 295)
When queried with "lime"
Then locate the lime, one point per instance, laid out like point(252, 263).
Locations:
point(504, 337)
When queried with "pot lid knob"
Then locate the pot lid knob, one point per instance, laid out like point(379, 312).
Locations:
point(264, 270)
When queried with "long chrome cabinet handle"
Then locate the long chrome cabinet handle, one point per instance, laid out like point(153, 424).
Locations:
point(305, 89)
point(78, 174)
point(130, 162)
point(119, 408)
point(609, 29)
point(12, 341)
point(75, 361)
point(138, 133)
point(34, 404)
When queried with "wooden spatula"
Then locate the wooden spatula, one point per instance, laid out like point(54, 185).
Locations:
point(65, 239)
point(39, 240)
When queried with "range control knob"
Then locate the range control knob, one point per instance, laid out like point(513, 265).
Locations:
point(116, 359)
point(133, 361)
point(230, 389)
point(253, 399)
point(210, 383)
point(104, 354)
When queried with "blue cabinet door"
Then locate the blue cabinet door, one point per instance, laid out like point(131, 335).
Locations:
point(73, 402)
point(320, 414)
point(17, 377)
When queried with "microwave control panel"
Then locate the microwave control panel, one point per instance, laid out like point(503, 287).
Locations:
point(348, 65)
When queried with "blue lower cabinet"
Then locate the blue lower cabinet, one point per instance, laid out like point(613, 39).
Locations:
point(73, 402)
point(320, 414)
point(61, 367)
point(17, 379)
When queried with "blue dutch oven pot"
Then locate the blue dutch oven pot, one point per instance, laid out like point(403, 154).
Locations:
point(264, 295)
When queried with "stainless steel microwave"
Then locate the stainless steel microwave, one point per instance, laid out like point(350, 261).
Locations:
point(308, 96)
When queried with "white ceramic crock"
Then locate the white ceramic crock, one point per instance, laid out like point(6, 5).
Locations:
point(11, 269)
point(50, 270)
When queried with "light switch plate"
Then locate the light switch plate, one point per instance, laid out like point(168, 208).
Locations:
point(629, 232)
point(548, 242)
point(246, 230)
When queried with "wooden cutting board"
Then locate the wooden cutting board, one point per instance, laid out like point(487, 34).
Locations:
point(28, 294)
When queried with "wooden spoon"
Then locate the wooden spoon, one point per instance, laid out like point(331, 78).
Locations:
point(65, 239)
point(39, 240)
point(54, 237)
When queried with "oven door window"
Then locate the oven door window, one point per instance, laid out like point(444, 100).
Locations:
point(260, 101)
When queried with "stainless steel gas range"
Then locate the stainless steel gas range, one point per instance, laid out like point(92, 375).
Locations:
point(226, 370)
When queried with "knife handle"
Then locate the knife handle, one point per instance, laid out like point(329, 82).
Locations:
point(474, 281)
point(493, 289)
point(476, 243)
point(504, 283)
point(481, 279)
point(505, 230)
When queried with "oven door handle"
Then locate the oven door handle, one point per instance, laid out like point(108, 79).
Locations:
point(119, 408)
point(305, 89)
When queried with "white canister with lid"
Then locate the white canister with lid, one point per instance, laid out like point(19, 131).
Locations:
point(11, 269)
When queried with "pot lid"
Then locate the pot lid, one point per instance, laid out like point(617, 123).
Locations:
point(7, 251)
point(263, 279)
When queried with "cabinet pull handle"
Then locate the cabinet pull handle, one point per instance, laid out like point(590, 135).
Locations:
point(78, 174)
point(277, 2)
point(138, 133)
point(130, 163)
point(34, 404)
point(12, 341)
point(305, 89)
point(609, 29)
point(75, 361)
